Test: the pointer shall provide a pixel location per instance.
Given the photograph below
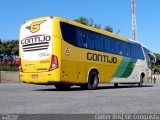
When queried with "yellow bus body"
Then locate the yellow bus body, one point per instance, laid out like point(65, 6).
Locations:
point(73, 65)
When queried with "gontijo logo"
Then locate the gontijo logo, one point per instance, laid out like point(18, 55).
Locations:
point(42, 38)
point(35, 26)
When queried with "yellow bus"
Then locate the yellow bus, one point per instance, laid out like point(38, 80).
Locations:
point(62, 52)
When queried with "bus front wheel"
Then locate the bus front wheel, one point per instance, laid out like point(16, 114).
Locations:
point(140, 84)
point(116, 85)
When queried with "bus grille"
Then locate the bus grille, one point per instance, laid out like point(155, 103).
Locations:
point(35, 47)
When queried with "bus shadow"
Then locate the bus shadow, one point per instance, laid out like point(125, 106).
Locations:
point(75, 88)
point(123, 86)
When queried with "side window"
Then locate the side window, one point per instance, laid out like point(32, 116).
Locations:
point(139, 53)
point(84, 39)
point(133, 51)
point(120, 48)
point(97, 42)
point(111, 45)
point(69, 33)
point(90, 40)
point(81, 38)
point(127, 51)
point(125, 48)
point(108, 44)
point(102, 43)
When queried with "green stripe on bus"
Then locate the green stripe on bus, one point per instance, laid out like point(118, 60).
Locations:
point(125, 68)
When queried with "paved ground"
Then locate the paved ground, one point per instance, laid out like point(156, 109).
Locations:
point(35, 99)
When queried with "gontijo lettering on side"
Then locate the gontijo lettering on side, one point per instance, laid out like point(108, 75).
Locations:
point(101, 58)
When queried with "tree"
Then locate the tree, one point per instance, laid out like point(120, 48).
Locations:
point(97, 26)
point(0, 41)
point(90, 22)
point(84, 21)
point(156, 66)
point(108, 28)
point(8, 52)
point(157, 55)
point(9, 48)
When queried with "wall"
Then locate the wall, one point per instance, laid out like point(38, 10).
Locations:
point(9, 77)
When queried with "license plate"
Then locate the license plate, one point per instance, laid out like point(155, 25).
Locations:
point(34, 75)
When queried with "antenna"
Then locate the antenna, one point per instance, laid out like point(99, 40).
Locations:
point(134, 25)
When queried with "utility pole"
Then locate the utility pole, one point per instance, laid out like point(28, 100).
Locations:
point(134, 25)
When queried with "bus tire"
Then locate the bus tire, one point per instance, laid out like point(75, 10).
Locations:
point(83, 86)
point(93, 81)
point(62, 86)
point(116, 85)
point(140, 84)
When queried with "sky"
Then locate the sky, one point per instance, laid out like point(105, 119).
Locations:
point(116, 13)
